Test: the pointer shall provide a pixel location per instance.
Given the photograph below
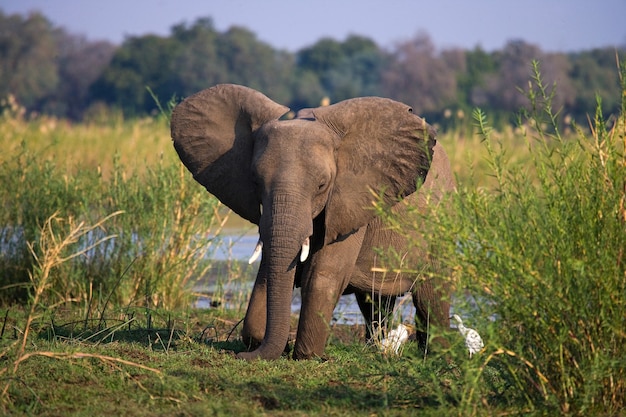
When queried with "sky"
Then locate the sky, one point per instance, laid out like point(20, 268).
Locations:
point(553, 25)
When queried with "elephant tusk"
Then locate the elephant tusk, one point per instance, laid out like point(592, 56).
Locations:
point(304, 254)
point(256, 253)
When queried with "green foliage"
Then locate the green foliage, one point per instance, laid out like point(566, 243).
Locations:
point(538, 263)
point(191, 59)
point(161, 239)
point(28, 49)
point(56, 73)
point(593, 74)
point(344, 69)
point(139, 62)
point(479, 63)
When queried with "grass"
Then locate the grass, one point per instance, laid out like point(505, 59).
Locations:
point(101, 249)
point(177, 367)
point(538, 262)
point(163, 235)
point(137, 144)
point(57, 361)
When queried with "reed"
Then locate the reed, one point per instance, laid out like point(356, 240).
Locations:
point(72, 147)
point(163, 239)
point(59, 243)
point(537, 260)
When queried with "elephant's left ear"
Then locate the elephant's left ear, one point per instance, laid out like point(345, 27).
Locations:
point(384, 150)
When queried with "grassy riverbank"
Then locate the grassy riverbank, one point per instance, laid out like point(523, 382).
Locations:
point(103, 239)
point(178, 366)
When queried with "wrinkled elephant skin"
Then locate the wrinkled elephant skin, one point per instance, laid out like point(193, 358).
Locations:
point(309, 183)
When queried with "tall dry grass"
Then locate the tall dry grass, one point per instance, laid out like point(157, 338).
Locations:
point(136, 144)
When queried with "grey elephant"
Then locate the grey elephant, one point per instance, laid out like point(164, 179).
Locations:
point(309, 183)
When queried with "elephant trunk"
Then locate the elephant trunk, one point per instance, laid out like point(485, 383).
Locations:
point(283, 236)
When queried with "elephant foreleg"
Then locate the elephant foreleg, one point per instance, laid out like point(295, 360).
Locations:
point(323, 282)
point(256, 315)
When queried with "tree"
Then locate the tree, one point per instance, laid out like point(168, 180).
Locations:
point(344, 69)
point(555, 72)
point(254, 63)
point(324, 55)
point(193, 58)
point(594, 73)
point(420, 77)
point(478, 64)
point(49, 70)
point(306, 91)
point(140, 62)
point(80, 63)
point(197, 65)
point(28, 52)
point(500, 90)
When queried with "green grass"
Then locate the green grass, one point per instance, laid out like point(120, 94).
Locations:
point(160, 239)
point(538, 262)
point(178, 367)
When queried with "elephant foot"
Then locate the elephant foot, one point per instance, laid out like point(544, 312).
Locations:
point(252, 336)
point(301, 352)
point(249, 356)
point(299, 356)
point(261, 353)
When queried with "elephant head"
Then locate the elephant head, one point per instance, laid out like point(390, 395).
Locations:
point(325, 166)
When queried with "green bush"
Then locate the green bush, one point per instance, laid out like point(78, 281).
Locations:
point(539, 262)
point(160, 241)
point(539, 266)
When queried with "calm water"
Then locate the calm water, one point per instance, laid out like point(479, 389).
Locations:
point(237, 246)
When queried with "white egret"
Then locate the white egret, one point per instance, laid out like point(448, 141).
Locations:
point(395, 339)
point(473, 341)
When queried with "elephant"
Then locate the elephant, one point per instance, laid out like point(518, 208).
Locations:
point(309, 182)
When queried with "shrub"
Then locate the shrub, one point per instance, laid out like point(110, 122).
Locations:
point(162, 236)
point(542, 258)
point(539, 267)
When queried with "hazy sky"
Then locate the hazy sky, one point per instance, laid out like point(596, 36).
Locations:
point(564, 25)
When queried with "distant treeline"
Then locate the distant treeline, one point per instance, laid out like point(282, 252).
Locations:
point(48, 70)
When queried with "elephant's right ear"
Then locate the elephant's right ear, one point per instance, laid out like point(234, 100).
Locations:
point(212, 133)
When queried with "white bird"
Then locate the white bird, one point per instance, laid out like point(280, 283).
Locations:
point(395, 339)
point(473, 341)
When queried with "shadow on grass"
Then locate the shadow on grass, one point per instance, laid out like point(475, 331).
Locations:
point(153, 330)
